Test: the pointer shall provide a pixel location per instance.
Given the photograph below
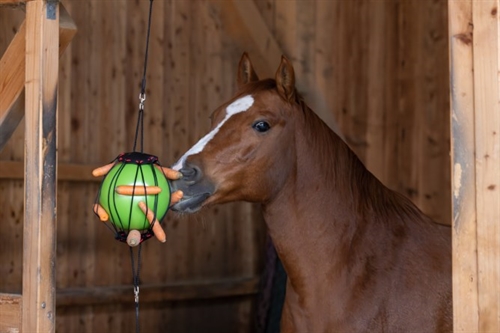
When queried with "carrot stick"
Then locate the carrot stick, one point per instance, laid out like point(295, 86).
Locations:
point(101, 171)
point(99, 210)
point(137, 190)
point(133, 238)
point(176, 196)
point(150, 215)
point(169, 173)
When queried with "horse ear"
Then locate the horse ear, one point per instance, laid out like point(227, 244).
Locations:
point(246, 72)
point(285, 80)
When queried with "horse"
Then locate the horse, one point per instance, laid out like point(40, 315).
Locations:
point(359, 256)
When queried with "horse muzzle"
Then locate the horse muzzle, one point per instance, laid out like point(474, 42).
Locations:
point(195, 187)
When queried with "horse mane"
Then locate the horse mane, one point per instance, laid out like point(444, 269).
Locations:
point(349, 176)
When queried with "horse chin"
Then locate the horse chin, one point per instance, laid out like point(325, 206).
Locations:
point(190, 204)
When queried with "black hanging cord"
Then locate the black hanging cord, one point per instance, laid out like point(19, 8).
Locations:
point(142, 96)
point(140, 129)
point(135, 277)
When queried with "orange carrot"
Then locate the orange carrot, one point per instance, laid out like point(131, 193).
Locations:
point(169, 173)
point(99, 210)
point(150, 215)
point(176, 196)
point(101, 171)
point(133, 238)
point(137, 190)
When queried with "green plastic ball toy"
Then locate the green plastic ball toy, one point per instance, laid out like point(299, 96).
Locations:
point(139, 170)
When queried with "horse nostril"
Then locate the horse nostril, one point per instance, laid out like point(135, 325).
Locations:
point(190, 173)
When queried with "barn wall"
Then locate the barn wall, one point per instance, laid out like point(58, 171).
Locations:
point(381, 68)
point(377, 68)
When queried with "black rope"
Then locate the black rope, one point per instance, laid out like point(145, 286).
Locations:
point(140, 129)
point(136, 281)
point(142, 96)
point(143, 85)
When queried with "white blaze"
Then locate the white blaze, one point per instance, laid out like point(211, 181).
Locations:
point(240, 105)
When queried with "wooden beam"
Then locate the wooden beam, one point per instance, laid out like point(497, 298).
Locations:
point(10, 312)
point(65, 171)
point(39, 239)
point(12, 69)
point(12, 2)
point(474, 56)
point(486, 53)
point(175, 291)
point(465, 274)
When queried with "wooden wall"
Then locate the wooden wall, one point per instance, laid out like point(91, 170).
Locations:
point(474, 66)
point(377, 71)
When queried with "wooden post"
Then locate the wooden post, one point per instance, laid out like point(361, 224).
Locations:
point(475, 89)
point(39, 250)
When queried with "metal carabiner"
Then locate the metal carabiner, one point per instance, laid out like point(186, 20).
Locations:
point(142, 98)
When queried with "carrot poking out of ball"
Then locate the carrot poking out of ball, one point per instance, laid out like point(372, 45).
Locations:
point(150, 215)
point(133, 238)
point(169, 173)
point(101, 171)
point(176, 196)
point(99, 210)
point(137, 190)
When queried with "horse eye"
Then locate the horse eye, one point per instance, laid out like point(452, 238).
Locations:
point(261, 126)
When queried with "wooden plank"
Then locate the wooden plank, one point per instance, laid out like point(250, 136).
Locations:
point(487, 160)
point(12, 2)
point(175, 291)
point(465, 274)
point(12, 68)
point(65, 172)
point(10, 313)
point(39, 241)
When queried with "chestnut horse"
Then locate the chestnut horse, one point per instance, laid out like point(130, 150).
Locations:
point(359, 257)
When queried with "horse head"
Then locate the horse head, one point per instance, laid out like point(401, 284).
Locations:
point(249, 152)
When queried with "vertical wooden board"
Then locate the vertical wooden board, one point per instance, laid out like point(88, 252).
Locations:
point(326, 54)
point(135, 40)
point(465, 274)
point(379, 80)
point(39, 240)
point(431, 109)
point(176, 88)
point(11, 244)
point(351, 40)
point(405, 178)
point(76, 252)
point(109, 85)
point(487, 159)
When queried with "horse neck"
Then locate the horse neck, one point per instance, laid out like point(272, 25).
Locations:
point(329, 198)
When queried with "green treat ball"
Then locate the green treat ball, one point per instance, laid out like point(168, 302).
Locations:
point(123, 210)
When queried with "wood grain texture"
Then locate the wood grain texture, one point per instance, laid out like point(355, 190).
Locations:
point(39, 240)
point(486, 52)
point(465, 274)
point(378, 69)
point(10, 312)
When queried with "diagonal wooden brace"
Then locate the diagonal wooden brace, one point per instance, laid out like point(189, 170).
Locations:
point(12, 75)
